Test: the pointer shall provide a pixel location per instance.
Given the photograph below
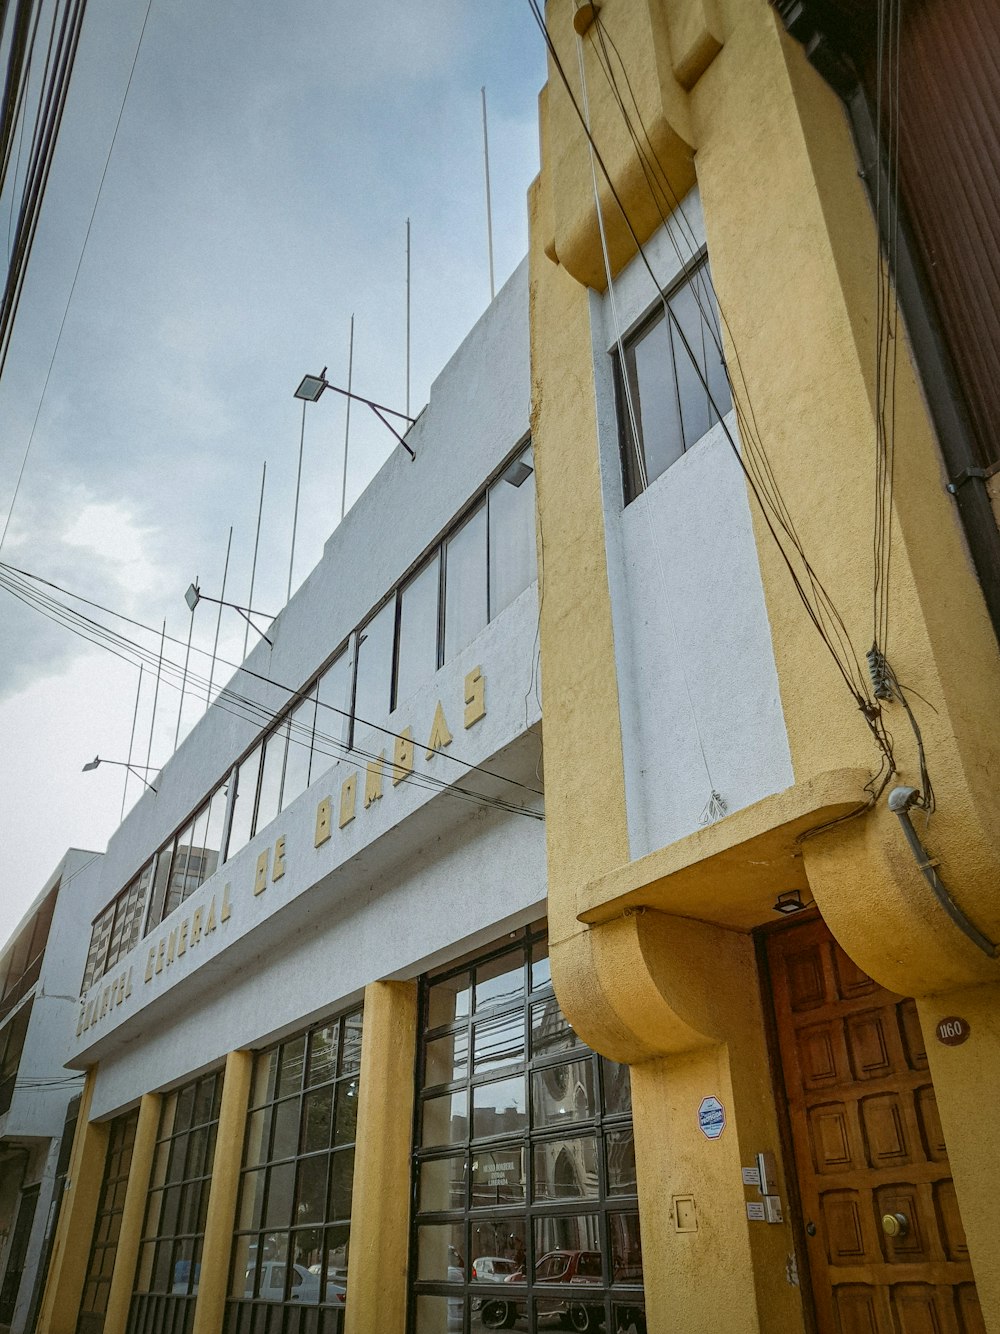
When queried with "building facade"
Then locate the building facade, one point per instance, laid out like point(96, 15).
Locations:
point(38, 1095)
point(772, 881)
point(716, 1048)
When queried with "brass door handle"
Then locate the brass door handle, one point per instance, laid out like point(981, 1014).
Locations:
point(895, 1225)
point(810, 1229)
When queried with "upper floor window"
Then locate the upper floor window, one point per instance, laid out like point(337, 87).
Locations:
point(674, 371)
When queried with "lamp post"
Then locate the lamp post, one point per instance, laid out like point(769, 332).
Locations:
point(122, 764)
point(194, 595)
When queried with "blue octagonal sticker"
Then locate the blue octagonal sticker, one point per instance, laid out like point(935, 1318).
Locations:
point(711, 1118)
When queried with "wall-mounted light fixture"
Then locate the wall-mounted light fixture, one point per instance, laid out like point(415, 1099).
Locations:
point(313, 386)
point(194, 595)
point(789, 901)
point(122, 764)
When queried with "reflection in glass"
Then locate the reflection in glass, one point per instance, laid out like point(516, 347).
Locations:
point(448, 1001)
point(445, 1119)
point(446, 1058)
point(323, 1054)
point(566, 1169)
point(561, 1094)
point(465, 612)
point(417, 646)
point(441, 1252)
point(498, 1042)
point(620, 1147)
point(497, 1176)
point(504, 1238)
point(442, 1184)
point(268, 801)
point(500, 981)
point(626, 1248)
point(550, 1030)
point(617, 1088)
point(568, 1248)
point(333, 708)
point(499, 1108)
point(300, 737)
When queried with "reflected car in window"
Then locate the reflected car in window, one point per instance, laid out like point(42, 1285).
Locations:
point(573, 1268)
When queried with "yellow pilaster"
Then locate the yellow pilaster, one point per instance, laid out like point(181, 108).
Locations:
point(218, 1244)
point(71, 1251)
point(380, 1206)
point(133, 1211)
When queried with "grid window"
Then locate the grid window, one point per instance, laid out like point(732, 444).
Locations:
point(107, 1226)
point(673, 371)
point(174, 1228)
point(294, 1215)
point(526, 1211)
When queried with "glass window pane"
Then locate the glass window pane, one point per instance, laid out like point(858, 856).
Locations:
point(246, 793)
point(497, 1176)
point(563, 1093)
point(512, 532)
point(332, 713)
point(568, 1249)
point(696, 415)
point(417, 649)
point(448, 1000)
point(270, 778)
point(291, 1068)
point(566, 1169)
point(179, 871)
point(280, 1184)
point(442, 1184)
point(341, 1183)
point(213, 830)
point(197, 860)
point(441, 1252)
point(317, 1119)
point(300, 739)
point(374, 675)
point(285, 1143)
point(650, 366)
point(251, 1200)
point(498, 1042)
point(310, 1189)
point(541, 971)
point(323, 1044)
point(500, 981)
point(550, 1030)
point(620, 1147)
point(465, 612)
point(346, 1126)
point(626, 1248)
point(350, 1056)
point(499, 1108)
point(503, 1239)
point(265, 1078)
point(446, 1058)
point(445, 1119)
point(617, 1088)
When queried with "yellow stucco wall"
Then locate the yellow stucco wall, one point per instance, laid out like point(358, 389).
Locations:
point(793, 253)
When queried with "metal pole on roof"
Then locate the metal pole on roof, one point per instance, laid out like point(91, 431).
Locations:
point(187, 658)
point(295, 512)
point(256, 544)
point(347, 426)
point(489, 202)
point(156, 694)
point(218, 621)
point(131, 740)
point(407, 317)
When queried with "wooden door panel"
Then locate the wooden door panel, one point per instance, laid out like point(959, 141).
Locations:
point(867, 1141)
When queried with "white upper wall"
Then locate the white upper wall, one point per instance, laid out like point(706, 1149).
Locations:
point(698, 688)
point(478, 412)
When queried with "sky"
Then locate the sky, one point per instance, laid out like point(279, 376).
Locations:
point(256, 197)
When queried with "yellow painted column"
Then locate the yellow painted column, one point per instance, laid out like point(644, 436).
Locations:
point(133, 1212)
point(218, 1244)
point(380, 1204)
point(71, 1251)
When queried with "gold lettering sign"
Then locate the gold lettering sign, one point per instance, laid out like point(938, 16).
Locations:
point(279, 859)
point(402, 756)
point(440, 733)
point(260, 884)
point(348, 800)
point(475, 696)
point(373, 779)
point(324, 820)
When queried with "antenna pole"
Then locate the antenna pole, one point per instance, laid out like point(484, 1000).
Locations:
point(131, 741)
point(256, 544)
point(218, 622)
point(407, 317)
point(347, 427)
point(187, 657)
point(156, 694)
point(295, 513)
point(489, 202)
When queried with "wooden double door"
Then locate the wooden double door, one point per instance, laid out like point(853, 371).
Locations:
point(868, 1147)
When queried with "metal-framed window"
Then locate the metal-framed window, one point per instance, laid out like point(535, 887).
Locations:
point(288, 1272)
point(177, 1206)
point(525, 1209)
point(107, 1225)
point(674, 372)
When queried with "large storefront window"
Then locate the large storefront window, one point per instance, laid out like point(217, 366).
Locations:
point(174, 1228)
point(107, 1226)
point(289, 1265)
point(526, 1209)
